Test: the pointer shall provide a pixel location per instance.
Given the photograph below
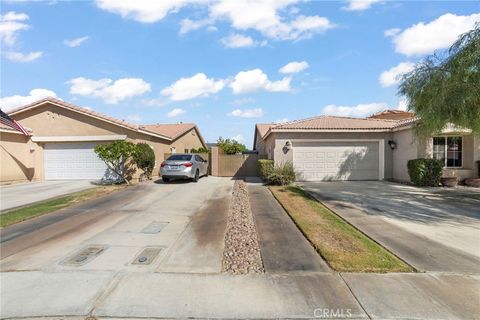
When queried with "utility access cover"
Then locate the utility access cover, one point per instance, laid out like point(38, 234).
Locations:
point(147, 255)
point(84, 256)
point(155, 227)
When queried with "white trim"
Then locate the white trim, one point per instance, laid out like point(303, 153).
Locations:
point(445, 136)
point(10, 131)
point(78, 138)
point(381, 150)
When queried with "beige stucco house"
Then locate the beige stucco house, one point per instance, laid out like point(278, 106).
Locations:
point(63, 138)
point(374, 148)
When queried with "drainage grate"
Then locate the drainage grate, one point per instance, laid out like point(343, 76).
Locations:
point(155, 227)
point(84, 256)
point(147, 255)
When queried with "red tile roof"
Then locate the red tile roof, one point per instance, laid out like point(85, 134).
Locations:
point(172, 131)
point(334, 123)
point(166, 131)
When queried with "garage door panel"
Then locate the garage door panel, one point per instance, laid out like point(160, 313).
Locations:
point(67, 161)
point(337, 161)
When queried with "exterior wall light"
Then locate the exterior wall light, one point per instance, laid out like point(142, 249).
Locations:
point(392, 144)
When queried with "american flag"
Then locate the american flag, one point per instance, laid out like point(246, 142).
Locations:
point(6, 120)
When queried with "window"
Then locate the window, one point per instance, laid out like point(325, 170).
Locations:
point(448, 150)
point(180, 157)
point(186, 150)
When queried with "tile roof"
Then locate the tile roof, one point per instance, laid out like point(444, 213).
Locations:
point(264, 127)
point(167, 131)
point(73, 107)
point(334, 123)
point(172, 131)
point(393, 115)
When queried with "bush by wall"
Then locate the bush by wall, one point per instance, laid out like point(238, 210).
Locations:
point(282, 175)
point(265, 166)
point(144, 157)
point(425, 172)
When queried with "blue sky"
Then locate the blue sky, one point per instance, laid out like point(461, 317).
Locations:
point(224, 65)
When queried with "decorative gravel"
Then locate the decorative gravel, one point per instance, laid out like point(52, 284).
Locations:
point(242, 252)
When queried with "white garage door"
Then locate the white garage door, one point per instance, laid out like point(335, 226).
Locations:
point(323, 161)
point(65, 161)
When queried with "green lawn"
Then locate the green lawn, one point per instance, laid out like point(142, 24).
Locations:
point(344, 247)
point(40, 208)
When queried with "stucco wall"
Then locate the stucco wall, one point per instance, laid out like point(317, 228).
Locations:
point(407, 149)
point(19, 158)
point(280, 138)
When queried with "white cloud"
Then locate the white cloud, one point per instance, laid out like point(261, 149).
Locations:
point(135, 118)
point(393, 75)
point(263, 16)
point(111, 92)
point(11, 102)
point(256, 79)
point(425, 38)
point(155, 102)
point(146, 11)
point(391, 32)
point(10, 24)
point(360, 110)
point(23, 57)
point(175, 112)
point(247, 113)
point(402, 103)
point(294, 67)
point(187, 25)
point(239, 138)
point(359, 5)
point(196, 86)
point(284, 120)
point(240, 41)
point(75, 42)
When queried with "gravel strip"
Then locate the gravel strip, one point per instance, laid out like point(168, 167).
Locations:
point(242, 252)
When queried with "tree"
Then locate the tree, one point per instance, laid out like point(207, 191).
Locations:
point(442, 90)
point(200, 150)
point(230, 146)
point(144, 158)
point(115, 155)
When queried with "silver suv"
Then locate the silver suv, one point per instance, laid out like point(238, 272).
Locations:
point(184, 166)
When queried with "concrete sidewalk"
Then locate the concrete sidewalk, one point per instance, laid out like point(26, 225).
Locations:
point(282, 245)
point(19, 195)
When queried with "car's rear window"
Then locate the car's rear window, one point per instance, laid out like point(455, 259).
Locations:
point(180, 157)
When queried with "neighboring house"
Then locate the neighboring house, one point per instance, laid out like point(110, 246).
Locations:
point(374, 148)
point(63, 138)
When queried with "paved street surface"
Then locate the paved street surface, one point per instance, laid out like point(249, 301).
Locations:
point(17, 195)
point(179, 228)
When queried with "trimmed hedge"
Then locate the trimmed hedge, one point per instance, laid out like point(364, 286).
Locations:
point(425, 172)
point(144, 157)
point(282, 175)
point(264, 168)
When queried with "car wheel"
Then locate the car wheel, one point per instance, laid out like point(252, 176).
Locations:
point(165, 179)
point(197, 175)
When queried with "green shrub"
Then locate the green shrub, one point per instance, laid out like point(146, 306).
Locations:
point(144, 157)
point(199, 150)
point(282, 175)
point(230, 146)
point(264, 168)
point(425, 172)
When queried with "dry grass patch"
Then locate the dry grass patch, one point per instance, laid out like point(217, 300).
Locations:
point(344, 247)
point(48, 206)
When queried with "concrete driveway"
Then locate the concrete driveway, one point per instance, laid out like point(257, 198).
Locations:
point(179, 228)
point(403, 217)
point(22, 194)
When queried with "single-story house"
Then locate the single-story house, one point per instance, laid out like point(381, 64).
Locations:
point(63, 137)
point(374, 148)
